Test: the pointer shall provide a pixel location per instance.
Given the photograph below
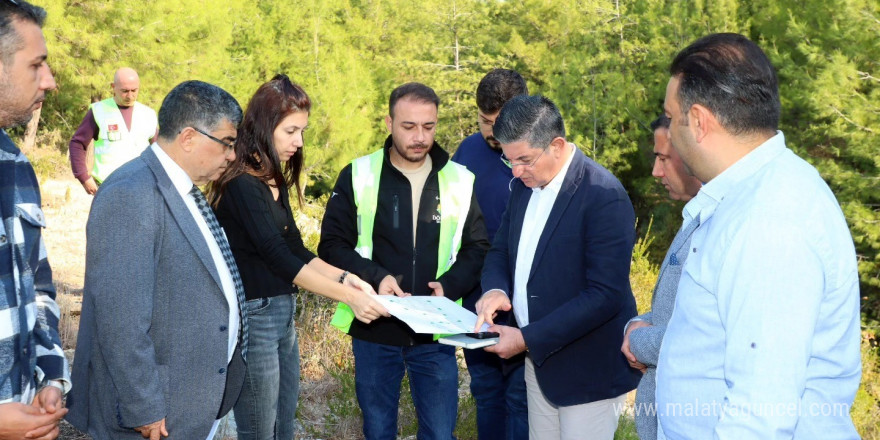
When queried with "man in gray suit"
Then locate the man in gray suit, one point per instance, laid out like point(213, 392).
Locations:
point(159, 351)
point(644, 333)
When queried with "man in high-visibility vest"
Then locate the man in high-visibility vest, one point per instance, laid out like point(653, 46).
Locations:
point(405, 219)
point(121, 128)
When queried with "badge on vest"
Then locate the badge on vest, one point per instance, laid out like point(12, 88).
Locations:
point(113, 133)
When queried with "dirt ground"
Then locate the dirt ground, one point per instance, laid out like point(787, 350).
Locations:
point(66, 206)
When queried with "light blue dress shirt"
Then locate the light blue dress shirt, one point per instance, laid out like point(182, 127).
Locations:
point(763, 342)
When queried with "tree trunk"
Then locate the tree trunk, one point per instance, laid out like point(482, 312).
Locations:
point(30, 134)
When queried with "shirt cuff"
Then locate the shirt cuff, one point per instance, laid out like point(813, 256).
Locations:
point(626, 327)
point(505, 293)
point(62, 383)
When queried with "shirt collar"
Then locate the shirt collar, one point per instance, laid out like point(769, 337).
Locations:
point(713, 192)
point(181, 181)
point(556, 183)
point(748, 165)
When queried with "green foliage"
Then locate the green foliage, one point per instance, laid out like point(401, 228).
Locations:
point(604, 62)
point(626, 429)
point(866, 408)
point(643, 272)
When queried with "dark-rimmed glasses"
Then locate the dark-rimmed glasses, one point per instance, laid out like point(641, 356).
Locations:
point(229, 145)
point(522, 164)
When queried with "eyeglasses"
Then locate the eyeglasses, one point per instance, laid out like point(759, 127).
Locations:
point(521, 164)
point(229, 145)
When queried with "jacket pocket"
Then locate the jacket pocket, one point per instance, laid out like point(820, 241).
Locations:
point(31, 213)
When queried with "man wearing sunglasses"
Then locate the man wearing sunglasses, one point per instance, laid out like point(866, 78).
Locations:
point(560, 261)
point(162, 338)
point(120, 127)
point(33, 370)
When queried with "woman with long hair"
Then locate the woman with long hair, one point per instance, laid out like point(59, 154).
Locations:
point(251, 199)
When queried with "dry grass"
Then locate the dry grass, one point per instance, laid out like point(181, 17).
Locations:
point(70, 306)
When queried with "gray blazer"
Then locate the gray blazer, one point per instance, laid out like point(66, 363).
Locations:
point(153, 334)
point(645, 342)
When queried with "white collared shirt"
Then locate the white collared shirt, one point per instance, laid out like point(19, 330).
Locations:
point(182, 183)
point(540, 204)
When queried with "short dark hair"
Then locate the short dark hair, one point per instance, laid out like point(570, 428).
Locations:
point(534, 119)
point(732, 77)
point(196, 104)
point(255, 145)
point(497, 87)
point(662, 121)
point(415, 91)
point(10, 41)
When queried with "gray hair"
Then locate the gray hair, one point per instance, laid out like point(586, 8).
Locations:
point(196, 104)
point(534, 119)
point(10, 41)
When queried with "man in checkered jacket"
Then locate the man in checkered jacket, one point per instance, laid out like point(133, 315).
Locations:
point(33, 370)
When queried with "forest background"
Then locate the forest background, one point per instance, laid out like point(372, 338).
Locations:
point(604, 62)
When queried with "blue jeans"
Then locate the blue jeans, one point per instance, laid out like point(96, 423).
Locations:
point(433, 383)
point(502, 405)
point(266, 409)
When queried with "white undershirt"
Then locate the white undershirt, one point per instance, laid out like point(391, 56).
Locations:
point(540, 204)
point(417, 179)
point(183, 184)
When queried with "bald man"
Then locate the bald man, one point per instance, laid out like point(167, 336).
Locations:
point(121, 128)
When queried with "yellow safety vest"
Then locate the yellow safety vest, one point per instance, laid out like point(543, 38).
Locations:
point(456, 188)
point(117, 144)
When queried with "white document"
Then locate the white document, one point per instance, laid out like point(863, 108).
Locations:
point(431, 314)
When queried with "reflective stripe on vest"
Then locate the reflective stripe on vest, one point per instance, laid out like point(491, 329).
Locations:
point(456, 188)
point(117, 144)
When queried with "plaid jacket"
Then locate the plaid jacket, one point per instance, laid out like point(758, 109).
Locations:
point(30, 349)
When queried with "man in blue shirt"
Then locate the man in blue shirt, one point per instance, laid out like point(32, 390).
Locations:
point(33, 369)
point(497, 385)
point(764, 337)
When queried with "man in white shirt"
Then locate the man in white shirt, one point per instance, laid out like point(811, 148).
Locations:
point(162, 339)
point(561, 261)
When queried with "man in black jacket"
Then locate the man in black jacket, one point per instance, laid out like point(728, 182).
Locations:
point(405, 219)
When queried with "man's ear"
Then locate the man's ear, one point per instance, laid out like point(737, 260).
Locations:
point(702, 122)
point(388, 122)
point(186, 139)
point(558, 144)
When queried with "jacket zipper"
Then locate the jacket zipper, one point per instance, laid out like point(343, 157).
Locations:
point(396, 217)
point(415, 253)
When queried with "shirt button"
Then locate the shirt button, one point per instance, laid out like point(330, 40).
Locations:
point(222, 328)
point(24, 351)
point(2, 239)
point(695, 250)
point(222, 370)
